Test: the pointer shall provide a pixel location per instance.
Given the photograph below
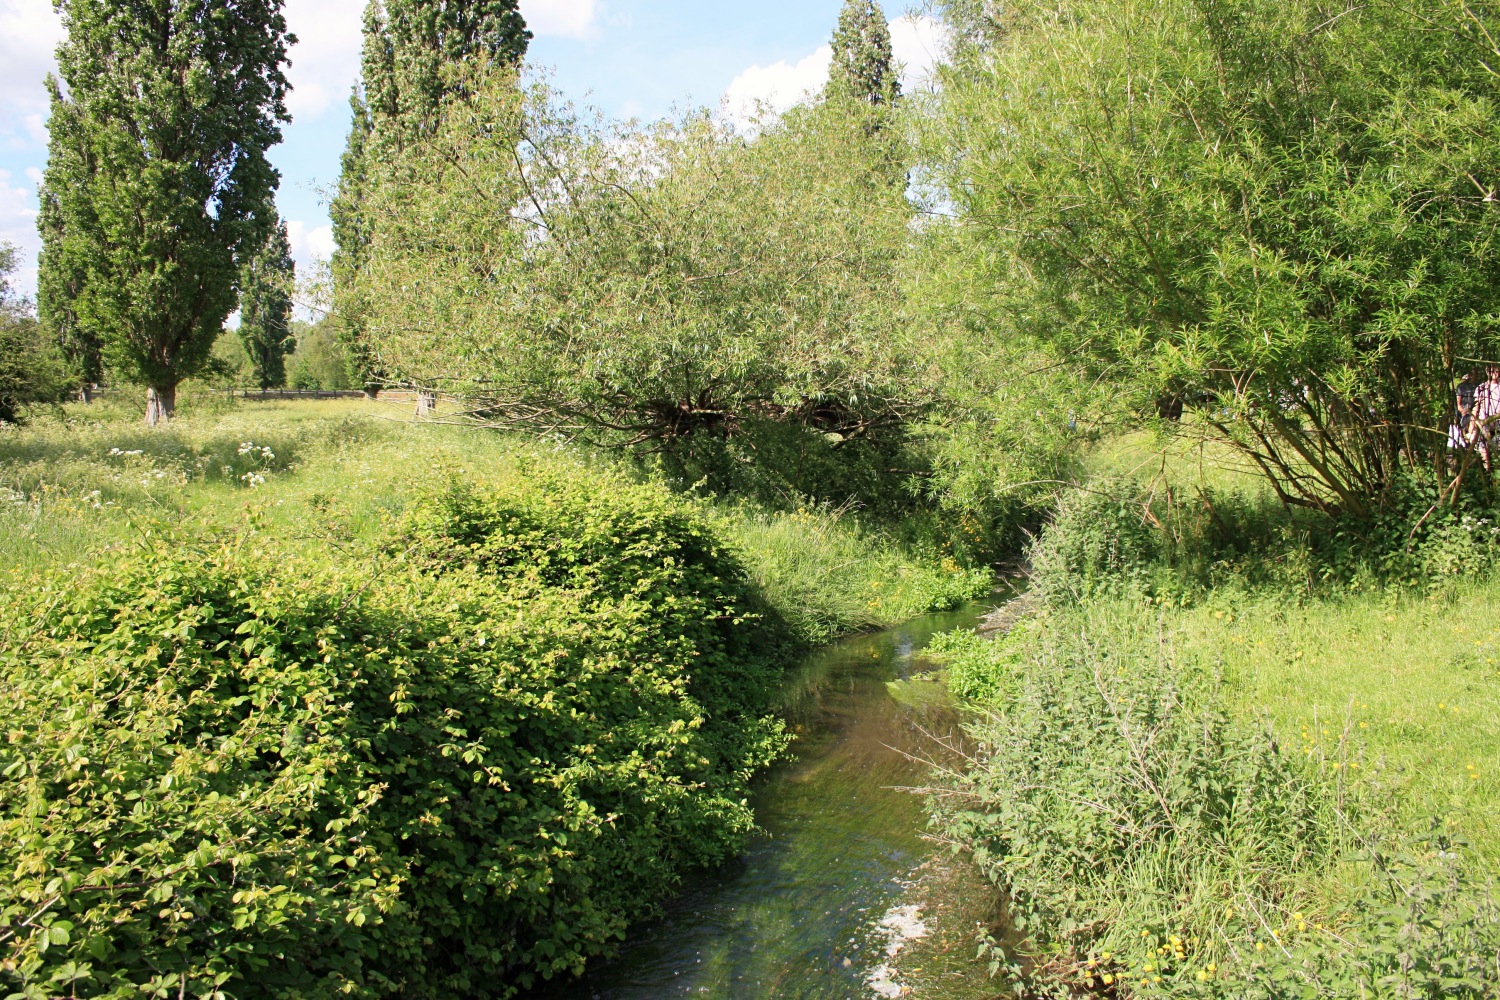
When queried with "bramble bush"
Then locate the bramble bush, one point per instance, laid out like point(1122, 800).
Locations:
point(231, 771)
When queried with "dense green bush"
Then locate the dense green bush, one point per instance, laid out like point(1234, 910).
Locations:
point(1121, 536)
point(231, 771)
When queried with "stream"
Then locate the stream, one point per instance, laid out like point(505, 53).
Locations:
point(811, 907)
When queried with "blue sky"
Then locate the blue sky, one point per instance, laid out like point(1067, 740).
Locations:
point(630, 58)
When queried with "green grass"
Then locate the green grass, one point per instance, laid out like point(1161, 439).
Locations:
point(1181, 456)
point(77, 485)
point(1409, 683)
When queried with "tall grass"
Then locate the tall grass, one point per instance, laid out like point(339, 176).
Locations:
point(76, 486)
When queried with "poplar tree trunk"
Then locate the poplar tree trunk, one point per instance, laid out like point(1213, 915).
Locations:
point(161, 403)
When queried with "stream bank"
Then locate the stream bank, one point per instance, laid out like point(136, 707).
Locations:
point(827, 901)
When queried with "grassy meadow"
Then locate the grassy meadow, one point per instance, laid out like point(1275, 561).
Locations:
point(89, 480)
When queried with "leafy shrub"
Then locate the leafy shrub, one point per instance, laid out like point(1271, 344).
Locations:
point(1096, 542)
point(236, 773)
point(1124, 536)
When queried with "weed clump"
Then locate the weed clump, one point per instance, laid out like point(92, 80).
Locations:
point(1152, 828)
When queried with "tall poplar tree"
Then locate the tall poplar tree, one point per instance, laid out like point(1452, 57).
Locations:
point(60, 280)
point(863, 66)
point(159, 185)
point(412, 49)
point(266, 309)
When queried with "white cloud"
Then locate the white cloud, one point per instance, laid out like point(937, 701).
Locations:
point(777, 86)
point(29, 32)
point(916, 43)
point(325, 60)
point(309, 244)
point(18, 226)
point(565, 18)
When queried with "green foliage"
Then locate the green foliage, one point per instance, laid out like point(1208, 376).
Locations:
point(1176, 546)
point(32, 370)
point(1282, 218)
point(455, 778)
point(828, 576)
point(862, 68)
point(60, 280)
point(158, 185)
point(415, 60)
point(1142, 831)
point(266, 284)
point(319, 361)
point(643, 286)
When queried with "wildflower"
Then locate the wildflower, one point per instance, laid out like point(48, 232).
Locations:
point(1107, 979)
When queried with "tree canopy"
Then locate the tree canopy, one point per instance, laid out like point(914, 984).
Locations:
point(159, 185)
point(1286, 220)
point(643, 286)
point(863, 67)
point(32, 370)
point(416, 55)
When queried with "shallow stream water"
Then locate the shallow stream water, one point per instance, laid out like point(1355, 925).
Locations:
point(798, 915)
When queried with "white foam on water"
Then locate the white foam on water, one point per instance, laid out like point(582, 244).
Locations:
point(900, 926)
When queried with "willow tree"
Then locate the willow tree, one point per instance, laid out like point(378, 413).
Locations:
point(1287, 220)
point(267, 281)
point(416, 55)
point(165, 110)
point(649, 287)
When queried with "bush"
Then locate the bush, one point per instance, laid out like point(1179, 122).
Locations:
point(1125, 537)
point(237, 773)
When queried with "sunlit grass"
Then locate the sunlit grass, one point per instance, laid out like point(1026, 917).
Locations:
point(1181, 456)
point(76, 486)
point(1399, 690)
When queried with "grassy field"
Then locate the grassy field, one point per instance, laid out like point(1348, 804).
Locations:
point(1400, 689)
point(76, 486)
